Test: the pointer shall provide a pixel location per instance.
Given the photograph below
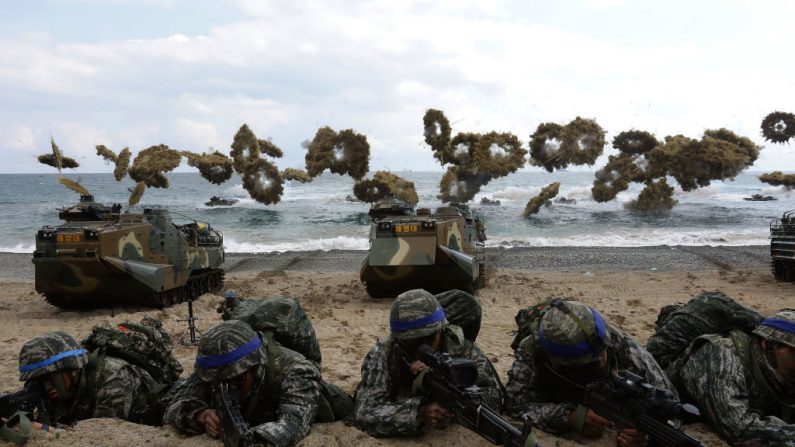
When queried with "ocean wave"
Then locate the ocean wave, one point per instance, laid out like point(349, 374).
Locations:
point(513, 193)
point(337, 243)
point(19, 248)
point(638, 239)
point(579, 193)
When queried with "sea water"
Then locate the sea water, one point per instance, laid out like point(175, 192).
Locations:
point(317, 216)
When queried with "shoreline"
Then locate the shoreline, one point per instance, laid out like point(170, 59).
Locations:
point(663, 258)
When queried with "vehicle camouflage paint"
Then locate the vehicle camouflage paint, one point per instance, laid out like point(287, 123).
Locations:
point(100, 256)
point(436, 252)
point(782, 246)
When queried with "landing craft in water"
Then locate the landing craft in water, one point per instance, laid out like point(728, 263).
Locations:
point(218, 201)
point(418, 249)
point(100, 256)
point(759, 198)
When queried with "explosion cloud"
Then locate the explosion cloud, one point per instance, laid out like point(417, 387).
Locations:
point(346, 152)
point(655, 196)
point(298, 175)
point(150, 164)
point(547, 193)
point(261, 178)
point(778, 127)
point(215, 167)
point(553, 146)
point(718, 155)
point(475, 158)
point(778, 178)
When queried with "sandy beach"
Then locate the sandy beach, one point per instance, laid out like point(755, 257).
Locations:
point(628, 285)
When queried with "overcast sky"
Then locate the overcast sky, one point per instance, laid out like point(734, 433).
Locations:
point(188, 73)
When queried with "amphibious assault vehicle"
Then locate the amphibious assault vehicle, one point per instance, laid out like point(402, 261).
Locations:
point(218, 201)
point(418, 249)
point(100, 256)
point(782, 246)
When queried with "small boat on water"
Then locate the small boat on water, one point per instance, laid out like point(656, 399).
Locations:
point(217, 201)
point(487, 201)
point(565, 201)
point(759, 198)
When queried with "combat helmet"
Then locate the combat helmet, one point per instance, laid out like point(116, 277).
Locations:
point(415, 314)
point(572, 333)
point(49, 353)
point(228, 350)
point(780, 327)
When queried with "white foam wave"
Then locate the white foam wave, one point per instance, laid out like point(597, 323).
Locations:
point(515, 193)
point(19, 248)
point(579, 193)
point(237, 191)
point(337, 243)
point(636, 239)
point(711, 190)
point(523, 194)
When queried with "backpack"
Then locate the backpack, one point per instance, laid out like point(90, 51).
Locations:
point(146, 345)
point(678, 325)
point(283, 317)
point(283, 320)
point(463, 310)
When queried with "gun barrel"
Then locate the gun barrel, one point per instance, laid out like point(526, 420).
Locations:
point(665, 434)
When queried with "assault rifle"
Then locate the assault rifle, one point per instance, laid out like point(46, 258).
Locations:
point(450, 382)
point(16, 408)
point(235, 430)
point(630, 401)
point(26, 400)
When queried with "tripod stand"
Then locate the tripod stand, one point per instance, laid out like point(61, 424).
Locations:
point(189, 337)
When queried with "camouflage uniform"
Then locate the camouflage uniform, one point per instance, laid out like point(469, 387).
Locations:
point(560, 341)
point(280, 412)
point(735, 384)
point(385, 404)
point(105, 387)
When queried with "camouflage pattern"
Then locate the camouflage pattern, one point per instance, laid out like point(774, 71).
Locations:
point(385, 404)
point(782, 247)
point(532, 391)
point(770, 332)
point(414, 305)
point(707, 312)
point(571, 328)
point(105, 386)
point(722, 384)
point(145, 344)
point(98, 255)
point(463, 310)
point(282, 316)
point(122, 391)
point(436, 252)
point(223, 338)
point(280, 413)
point(46, 347)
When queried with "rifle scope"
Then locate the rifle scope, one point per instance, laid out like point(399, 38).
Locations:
point(459, 371)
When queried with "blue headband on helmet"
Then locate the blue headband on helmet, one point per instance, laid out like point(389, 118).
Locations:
point(402, 326)
point(216, 360)
point(776, 323)
point(51, 360)
point(580, 349)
